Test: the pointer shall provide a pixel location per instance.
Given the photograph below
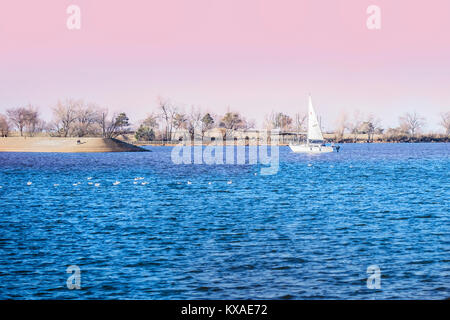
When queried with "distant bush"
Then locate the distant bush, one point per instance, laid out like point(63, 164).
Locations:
point(145, 133)
point(417, 138)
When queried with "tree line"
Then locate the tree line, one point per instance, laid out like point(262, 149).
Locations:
point(410, 128)
point(350, 129)
point(170, 118)
point(71, 118)
point(74, 118)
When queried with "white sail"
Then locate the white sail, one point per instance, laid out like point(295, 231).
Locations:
point(314, 132)
point(314, 136)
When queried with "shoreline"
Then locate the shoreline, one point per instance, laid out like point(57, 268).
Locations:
point(66, 145)
point(101, 145)
point(286, 144)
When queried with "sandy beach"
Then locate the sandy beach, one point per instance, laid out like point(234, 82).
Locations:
point(53, 144)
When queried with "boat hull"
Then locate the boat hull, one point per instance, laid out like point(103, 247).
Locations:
point(311, 148)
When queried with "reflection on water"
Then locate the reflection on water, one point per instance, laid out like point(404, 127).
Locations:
point(310, 231)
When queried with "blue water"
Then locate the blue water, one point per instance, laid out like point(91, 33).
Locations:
point(308, 232)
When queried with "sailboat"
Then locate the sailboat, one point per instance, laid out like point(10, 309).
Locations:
point(314, 142)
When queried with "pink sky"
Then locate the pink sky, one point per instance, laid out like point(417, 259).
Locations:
point(253, 56)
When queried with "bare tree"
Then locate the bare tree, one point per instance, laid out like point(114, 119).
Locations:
point(88, 117)
point(35, 126)
point(355, 124)
point(65, 114)
point(104, 121)
point(445, 122)
point(4, 126)
point(26, 119)
point(278, 120)
point(369, 127)
point(248, 124)
point(411, 123)
point(300, 122)
point(19, 117)
point(268, 123)
point(282, 121)
point(341, 126)
point(167, 114)
point(194, 122)
point(33, 123)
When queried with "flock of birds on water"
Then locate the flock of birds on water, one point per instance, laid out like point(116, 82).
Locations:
point(116, 183)
point(137, 181)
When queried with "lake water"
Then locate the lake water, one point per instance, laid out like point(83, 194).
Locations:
point(308, 232)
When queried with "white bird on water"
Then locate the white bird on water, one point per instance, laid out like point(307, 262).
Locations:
point(97, 184)
point(229, 182)
point(89, 178)
point(309, 165)
point(144, 183)
point(90, 183)
point(56, 185)
point(189, 182)
point(116, 183)
point(29, 183)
